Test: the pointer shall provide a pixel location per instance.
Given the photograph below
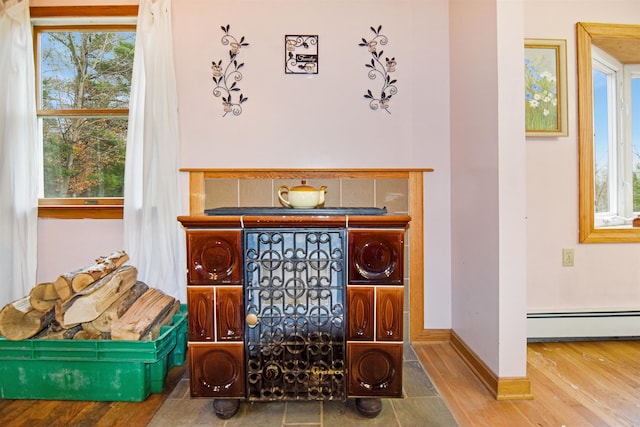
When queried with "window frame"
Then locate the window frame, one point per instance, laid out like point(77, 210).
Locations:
point(60, 17)
point(618, 38)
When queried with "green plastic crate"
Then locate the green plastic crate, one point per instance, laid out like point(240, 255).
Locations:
point(101, 370)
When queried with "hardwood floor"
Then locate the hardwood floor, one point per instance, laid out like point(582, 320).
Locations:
point(583, 384)
point(58, 413)
point(575, 384)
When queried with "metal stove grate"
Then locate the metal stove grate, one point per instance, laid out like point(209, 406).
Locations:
point(296, 287)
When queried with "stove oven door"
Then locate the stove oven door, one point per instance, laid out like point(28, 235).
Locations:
point(295, 313)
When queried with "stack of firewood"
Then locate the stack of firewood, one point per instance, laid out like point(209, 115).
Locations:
point(103, 300)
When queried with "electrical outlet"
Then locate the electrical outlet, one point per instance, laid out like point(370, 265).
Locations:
point(567, 257)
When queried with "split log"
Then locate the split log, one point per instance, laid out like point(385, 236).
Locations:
point(59, 334)
point(145, 313)
point(90, 330)
point(86, 335)
point(19, 320)
point(103, 322)
point(43, 296)
point(102, 267)
point(92, 301)
point(154, 332)
point(76, 332)
point(70, 283)
point(52, 328)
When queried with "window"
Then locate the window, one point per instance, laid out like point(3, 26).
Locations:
point(605, 78)
point(632, 130)
point(616, 148)
point(83, 79)
point(620, 41)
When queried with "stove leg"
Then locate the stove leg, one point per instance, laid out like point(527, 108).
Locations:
point(226, 408)
point(369, 407)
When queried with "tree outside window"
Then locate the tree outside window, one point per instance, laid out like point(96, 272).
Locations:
point(84, 84)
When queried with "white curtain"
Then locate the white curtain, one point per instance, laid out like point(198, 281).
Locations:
point(19, 154)
point(153, 237)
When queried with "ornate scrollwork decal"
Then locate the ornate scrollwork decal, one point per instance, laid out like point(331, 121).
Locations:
point(378, 68)
point(301, 54)
point(227, 78)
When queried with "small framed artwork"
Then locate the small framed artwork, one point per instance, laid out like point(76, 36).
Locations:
point(545, 90)
point(300, 54)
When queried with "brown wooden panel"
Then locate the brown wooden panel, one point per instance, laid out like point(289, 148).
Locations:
point(201, 221)
point(252, 221)
point(200, 318)
point(360, 313)
point(376, 256)
point(214, 257)
point(229, 317)
point(101, 11)
point(375, 370)
point(78, 212)
point(382, 221)
point(389, 302)
point(217, 370)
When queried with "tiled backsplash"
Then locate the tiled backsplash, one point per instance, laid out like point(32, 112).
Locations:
point(392, 193)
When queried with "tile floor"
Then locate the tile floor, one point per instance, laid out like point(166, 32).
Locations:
point(421, 406)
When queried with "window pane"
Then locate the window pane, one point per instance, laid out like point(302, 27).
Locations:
point(601, 141)
point(86, 70)
point(635, 139)
point(84, 157)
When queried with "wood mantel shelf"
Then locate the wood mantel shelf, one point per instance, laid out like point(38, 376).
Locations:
point(313, 172)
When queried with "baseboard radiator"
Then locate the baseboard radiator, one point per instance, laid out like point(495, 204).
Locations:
point(583, 325)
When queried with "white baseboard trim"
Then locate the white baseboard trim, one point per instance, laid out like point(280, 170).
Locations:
point(592, 324)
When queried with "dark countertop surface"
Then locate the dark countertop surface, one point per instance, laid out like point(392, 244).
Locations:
point(321, 211)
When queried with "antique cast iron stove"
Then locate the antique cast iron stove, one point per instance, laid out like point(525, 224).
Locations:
point(295, 304)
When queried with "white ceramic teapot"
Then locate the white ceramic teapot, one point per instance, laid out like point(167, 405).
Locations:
point(301, 196)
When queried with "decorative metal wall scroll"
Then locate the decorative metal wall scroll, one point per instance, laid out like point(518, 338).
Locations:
point(227, 78)
point(301, 54)
point(378, 68)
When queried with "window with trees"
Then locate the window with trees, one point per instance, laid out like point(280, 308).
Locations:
point(616, 100)
point(604, 194)
point(83, 81)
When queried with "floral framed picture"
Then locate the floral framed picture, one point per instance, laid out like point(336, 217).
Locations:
point(545, 90)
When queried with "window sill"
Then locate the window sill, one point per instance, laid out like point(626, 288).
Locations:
point(80, 211)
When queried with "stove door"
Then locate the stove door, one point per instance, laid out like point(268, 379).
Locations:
point(294, 307)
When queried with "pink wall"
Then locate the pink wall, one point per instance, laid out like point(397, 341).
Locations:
point(605, 276)
point(488, 204)
point(474, 86)
point(307, 120)
point(66, 245)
